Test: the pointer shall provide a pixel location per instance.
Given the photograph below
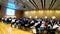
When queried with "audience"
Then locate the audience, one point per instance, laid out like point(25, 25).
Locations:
point(36, 25)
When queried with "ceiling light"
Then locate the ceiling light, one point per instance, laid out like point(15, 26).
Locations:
point(46, 17)
point(30, 17)
point(35, 16)
point(53, 17)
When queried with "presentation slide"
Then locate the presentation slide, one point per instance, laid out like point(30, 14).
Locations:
point(10, 12)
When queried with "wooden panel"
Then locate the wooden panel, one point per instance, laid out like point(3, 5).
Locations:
point(19, 14)
point(42, 14)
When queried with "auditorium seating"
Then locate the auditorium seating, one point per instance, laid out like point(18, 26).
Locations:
point(35, 25)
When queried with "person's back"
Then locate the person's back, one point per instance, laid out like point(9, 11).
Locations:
point(0, 19)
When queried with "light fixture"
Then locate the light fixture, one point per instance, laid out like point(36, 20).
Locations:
point(36, 17)
point(34, 11)
point(53, 17)
point(46, 17)
point(30, 17)
point(26, 12)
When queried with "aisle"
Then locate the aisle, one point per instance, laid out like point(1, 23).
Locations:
point(6, 29)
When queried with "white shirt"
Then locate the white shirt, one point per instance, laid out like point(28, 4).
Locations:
point(32, 21)
point(55, 26)
point(43, 22)
point(36, 23)
point(13, 20)
point(42, 25)
point(10, 19)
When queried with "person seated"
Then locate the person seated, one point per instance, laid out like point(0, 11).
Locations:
point(0, 19)
point(13, 22)
point(9, 20)
point(3, 19)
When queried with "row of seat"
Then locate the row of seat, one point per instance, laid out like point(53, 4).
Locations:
point(35, 25)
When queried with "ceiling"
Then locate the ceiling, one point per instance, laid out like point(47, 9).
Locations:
point(32, 4)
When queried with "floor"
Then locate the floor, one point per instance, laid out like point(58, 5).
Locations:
point(6, 29)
